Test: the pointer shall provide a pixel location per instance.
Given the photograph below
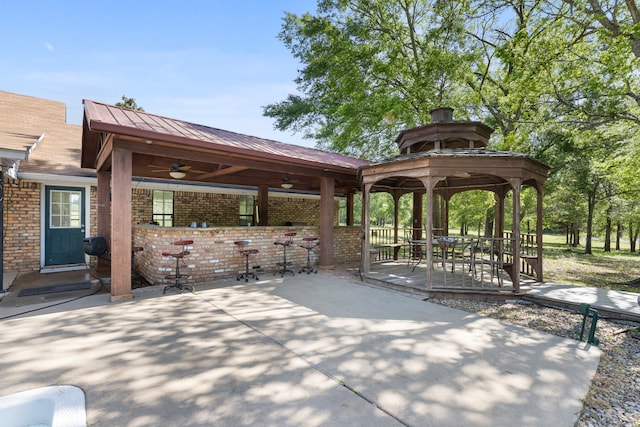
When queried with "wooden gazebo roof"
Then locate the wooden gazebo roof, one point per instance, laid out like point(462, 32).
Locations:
point(463, 169)
point(210, 155)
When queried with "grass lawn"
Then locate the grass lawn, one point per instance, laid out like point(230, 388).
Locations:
point(618, 270)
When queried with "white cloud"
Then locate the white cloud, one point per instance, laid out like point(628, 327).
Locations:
point(49, 46)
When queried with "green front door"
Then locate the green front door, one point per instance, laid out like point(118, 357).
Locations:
point(64, 225)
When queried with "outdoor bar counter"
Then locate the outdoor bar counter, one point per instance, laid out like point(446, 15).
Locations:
point(213, 254)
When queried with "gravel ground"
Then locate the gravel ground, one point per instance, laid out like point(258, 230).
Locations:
point(614, 397)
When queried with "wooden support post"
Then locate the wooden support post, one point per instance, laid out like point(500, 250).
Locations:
point(327, 194)
point(539, 230)
point(263, 205)
point(365, 256)
point(121, 162)
point(517, 186)
point(350, 209)
point(104, 215)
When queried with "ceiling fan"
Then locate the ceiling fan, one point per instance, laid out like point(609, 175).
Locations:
point(175, 170)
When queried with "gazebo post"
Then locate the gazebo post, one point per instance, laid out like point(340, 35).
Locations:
point(416, 232)
point(396, 214)
point(539, 232)
point(447, 199)
point(515, 227)
point(365, 257)
point(498, 231)
point(428, 183)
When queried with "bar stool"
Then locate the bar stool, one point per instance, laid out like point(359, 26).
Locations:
point(284, 264)
point(179, 277)
point(309, 245)
point(245, 253)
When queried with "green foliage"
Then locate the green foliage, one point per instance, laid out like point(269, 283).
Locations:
point(371, 69)
point(559, 80)
point(129, 103)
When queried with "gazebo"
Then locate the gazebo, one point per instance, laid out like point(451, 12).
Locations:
point(444, 158)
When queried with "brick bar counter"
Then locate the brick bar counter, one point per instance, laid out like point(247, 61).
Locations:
point(214, 256)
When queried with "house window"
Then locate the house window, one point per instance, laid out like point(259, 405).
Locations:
point(65, 209)
point(246, 210)
point(163, 208)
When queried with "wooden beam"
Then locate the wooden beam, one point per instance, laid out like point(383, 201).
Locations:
point(220, 172)
point(326, 223)
point(539, 227)
point(121, 224)
point(104, 214)
point(350, 209)
point(365, 256)
point(103, 159)
point(263, 205)
point(202, 156)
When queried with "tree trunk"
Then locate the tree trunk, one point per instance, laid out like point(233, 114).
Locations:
point(591, 203)
point(632, 238)
point(618, 235)
point(488, 224)
point(607, 234)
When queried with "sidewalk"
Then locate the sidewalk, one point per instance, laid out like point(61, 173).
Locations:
point(613, 304)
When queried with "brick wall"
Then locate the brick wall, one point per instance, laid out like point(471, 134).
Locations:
point(347, 244)
point(297, 211)
point(21, 226)
point(22, 219)
point(223, 210)
point(213, 254)
point(141, 205)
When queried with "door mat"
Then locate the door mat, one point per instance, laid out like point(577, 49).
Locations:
point(54, 289)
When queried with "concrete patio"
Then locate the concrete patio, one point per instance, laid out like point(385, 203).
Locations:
point(306, 350)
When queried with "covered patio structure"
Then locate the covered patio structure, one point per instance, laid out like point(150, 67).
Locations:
point(442, 159)
point(121, 144)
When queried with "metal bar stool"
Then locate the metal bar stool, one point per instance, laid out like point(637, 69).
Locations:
point(179, 277)
point(309, 245)
point(245, 253)
point(284, 264)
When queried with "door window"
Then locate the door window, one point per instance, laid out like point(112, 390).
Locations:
point(65, 210)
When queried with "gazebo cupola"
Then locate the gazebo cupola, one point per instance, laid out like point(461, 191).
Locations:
point(443, 132)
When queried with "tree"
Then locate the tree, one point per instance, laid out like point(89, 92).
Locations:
point(129, 103)
point(372, 69)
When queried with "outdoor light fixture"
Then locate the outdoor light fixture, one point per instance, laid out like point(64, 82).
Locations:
point(177, 174)
point(286, 184)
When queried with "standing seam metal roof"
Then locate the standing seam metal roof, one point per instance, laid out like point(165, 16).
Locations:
point(143, 124)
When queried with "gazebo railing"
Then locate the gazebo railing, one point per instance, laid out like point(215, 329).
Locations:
point(468, 262)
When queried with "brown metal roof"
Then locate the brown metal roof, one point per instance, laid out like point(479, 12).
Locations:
point(109, 118)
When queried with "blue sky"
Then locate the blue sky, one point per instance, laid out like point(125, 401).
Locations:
point(215, 62)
